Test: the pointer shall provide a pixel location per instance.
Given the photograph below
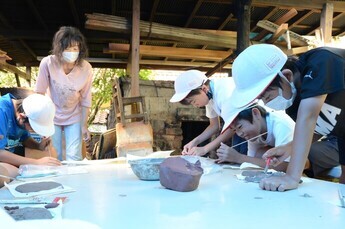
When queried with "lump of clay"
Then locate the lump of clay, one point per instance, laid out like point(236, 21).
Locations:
point(38, 186)
point(178, 174)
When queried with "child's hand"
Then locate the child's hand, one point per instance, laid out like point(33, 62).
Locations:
point(44, 144)
point(278, 154)
point(226, 154)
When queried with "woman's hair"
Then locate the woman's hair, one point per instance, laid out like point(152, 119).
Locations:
point(193, 92)
point(248, 115)
point(66, 37)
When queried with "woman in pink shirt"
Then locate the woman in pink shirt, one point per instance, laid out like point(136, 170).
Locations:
point(67, 78)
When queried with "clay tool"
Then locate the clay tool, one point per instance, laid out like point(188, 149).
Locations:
point(48, 148)
point(268, 161)
point(249, 140)
point(341, 198)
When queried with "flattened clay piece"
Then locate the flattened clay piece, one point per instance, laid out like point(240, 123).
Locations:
point(36, 187)
point(257, 176)
point(30, 213)
point(178, 174)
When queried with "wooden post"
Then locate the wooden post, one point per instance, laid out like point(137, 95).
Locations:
point(17, 80)
point(28, 74)
point(326, 23)
point(135, 45)
point(243, 24)
point(135, 42)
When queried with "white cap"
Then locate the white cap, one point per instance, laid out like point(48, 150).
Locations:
point(40, 110)
point(186, 82)
point(231, 112)
point(253, 71)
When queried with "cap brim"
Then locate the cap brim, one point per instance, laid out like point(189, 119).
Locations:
point(45, 131)
point(178, 97)
point(230, 113)
point(229, 121)
point(242, 97)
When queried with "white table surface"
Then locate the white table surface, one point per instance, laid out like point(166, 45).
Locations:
point(111, 196)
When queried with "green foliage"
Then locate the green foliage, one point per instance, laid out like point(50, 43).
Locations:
point(7, 80)
point(145, 74)
point(102, 89)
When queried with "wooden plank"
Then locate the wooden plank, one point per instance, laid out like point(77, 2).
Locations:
point(185, 53)
point(295, 38)
point(156, 30)
point(14, 69)
point(290, 14)
point(280, 31)
point(221, 65)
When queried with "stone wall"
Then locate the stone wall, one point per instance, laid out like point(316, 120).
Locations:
point(166, 118)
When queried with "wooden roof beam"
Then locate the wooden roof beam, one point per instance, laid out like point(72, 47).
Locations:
point(74, 12)
point(113, 7)
point(301, 19)
point(339, 6)
point(183, 53)
point(37, 14)
point(7, 24)
point(290, 14)
point(218, 31)
point(15, 70)
point(190, 18)
point(280, 31)
point(152, 15)
point(267, 17)
point(160, 31)
point(295, 38)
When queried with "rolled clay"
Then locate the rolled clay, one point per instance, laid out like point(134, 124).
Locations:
point(178, 174)
point(38, 186)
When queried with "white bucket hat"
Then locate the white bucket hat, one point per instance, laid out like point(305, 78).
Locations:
point(185, 83)
point(40, 110)
point(253, 71)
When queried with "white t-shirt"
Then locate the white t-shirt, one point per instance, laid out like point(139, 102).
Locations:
point(280, 129)
point(221, 91)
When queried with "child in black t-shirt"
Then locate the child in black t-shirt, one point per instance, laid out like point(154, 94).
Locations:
point(313, 85)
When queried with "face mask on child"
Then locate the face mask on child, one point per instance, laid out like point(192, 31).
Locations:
point(279, 102)
point(70, 57)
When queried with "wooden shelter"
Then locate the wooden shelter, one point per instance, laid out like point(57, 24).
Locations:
point(179, 34)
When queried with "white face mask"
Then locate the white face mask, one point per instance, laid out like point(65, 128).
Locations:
point(70, 57)
point(279, 102)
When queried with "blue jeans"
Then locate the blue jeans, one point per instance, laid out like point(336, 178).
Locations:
point(73, 141)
